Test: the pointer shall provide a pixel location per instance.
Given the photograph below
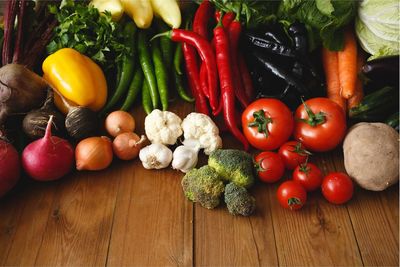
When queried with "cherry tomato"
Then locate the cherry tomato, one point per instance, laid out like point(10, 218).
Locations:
point(267, 123)
point(337, 187)
point(270, 167)
point(308, 175)
point(320, 124)
point(293, 153)
point(291, 195)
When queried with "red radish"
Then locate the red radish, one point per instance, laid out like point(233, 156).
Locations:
point(9, 167)
point(48, 158)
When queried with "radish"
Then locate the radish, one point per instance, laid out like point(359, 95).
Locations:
point(9, 167)
point(48, 158)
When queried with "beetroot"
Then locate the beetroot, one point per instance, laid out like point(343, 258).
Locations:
point(48, 158)
point(9, 167)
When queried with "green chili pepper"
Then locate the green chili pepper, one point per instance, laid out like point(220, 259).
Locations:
point(127, 67)
point(178, 55)
point(180, 89)
point(147, 67)
point(146, 99)
point(134, 89)
point(165, 43)
point(161, 74)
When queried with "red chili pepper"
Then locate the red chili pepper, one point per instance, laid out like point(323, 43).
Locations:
point(203, 80)
point(200, 21)
point(246, 77)
point(206, 53)
point(192, 71)
point(226, 83)
point(227, 18)
point(234, 31)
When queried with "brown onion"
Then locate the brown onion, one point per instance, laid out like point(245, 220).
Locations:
point(118, 122)
point(93, 153)
point(126, 146)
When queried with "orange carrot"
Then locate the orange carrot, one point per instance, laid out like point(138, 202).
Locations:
point(347, 59)
point(331, 69)
point(358, 93)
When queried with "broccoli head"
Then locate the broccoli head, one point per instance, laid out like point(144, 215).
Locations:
point(238, 200)
point(233, 165)
point(203, 185)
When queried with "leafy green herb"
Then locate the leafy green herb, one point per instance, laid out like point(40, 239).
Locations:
point(325, 19)
point(253, 13)
point(82, 27)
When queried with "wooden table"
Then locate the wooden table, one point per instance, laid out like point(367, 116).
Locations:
point(127, 215)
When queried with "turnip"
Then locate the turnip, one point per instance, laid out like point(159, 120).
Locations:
point(9, 167)
point(48, 158)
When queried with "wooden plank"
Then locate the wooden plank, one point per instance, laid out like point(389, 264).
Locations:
point(79, 226)
point(153, 223)
point(37, 199)
point(225, 240)
point(375, 219)
point(319, 234)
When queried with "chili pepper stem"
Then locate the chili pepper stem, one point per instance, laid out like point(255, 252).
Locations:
point(167, 34)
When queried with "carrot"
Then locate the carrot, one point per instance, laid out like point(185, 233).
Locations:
point(358, 93)
point(331, 69)
point(348, 65)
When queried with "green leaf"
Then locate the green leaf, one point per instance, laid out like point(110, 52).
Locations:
point(325, 7)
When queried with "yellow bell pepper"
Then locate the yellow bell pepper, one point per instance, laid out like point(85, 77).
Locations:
point(169, 11)
point(113, 6)
point(140, 11)
point(77, 78)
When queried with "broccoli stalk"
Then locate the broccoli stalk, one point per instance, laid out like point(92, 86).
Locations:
point(238, 200)
point(233, 166)
point(203, 185)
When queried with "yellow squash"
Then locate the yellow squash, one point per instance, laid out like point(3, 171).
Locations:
point(112, 6)
point(77, 78)
point(140, 11)
point(169, 11)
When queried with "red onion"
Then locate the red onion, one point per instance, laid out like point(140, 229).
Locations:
point(48, 158)
point(9, 167)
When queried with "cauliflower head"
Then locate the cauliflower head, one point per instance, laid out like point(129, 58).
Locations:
point(163, 127)
point(199, 128)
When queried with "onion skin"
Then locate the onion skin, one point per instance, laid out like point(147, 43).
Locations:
point(48, 158)
point(126, 146)
point(93, 153)
point(118, 122)
point(10, 167)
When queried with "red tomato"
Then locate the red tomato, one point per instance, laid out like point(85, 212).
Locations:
point(337, 187)
point(322, 127)
point(293, 153)
point(291, 195)
point(308, 175)
point(267, 123)
point(270, 167)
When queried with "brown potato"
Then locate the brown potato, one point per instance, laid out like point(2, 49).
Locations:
point(371, 155)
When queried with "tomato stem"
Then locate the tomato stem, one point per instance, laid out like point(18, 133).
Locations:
point(261, 122)
point(299, 150)
point(293, 201)
point(313, 119)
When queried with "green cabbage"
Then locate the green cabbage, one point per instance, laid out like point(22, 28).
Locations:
point(377, 27)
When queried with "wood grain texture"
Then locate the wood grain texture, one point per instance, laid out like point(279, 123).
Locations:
point(79, 226)
point(375, 219)
point(127, 215)
point(153, 223)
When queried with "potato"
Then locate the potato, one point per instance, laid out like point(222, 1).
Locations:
point(371, 155)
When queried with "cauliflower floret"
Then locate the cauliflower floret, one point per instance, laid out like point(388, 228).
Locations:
point(199, 129)
point(162, 127)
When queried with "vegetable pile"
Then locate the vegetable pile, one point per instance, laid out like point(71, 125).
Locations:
point(287, 78)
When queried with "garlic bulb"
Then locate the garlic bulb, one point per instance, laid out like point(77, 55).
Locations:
point(185, 158)
point(155, 156)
